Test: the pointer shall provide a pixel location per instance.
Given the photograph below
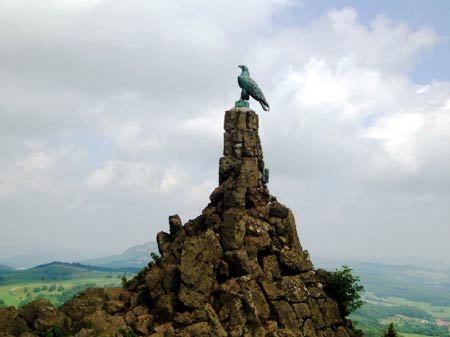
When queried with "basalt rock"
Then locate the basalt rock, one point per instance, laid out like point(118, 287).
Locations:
point(237, 270)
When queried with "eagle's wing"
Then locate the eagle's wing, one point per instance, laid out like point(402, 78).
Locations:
point(253, 89)
point(241, 82)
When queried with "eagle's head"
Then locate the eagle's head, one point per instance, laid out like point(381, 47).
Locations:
point(243, 67)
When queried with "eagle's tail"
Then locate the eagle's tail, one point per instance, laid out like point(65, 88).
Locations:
point(264, 105)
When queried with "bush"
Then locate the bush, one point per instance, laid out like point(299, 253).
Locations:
point(54, 331)
point(390, 332)
point(156, 258)
point(344, 287)
point(125, 282)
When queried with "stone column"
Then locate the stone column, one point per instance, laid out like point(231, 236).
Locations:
point(241, 168)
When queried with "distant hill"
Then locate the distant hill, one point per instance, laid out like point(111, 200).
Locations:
point(134, 257)
point(415, 283)
point(40, 256)
point(4, 268)
point(60, 271)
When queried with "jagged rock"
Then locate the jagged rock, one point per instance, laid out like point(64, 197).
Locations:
point(85, 304)
point(232, 229)
point(175, 225)
point(295, 261)
point(107, 325)
point(308, 329)
point(236, 270)
point(42, 316)
point(271, 267)
point(11, 323)
point(199, 260)
point(114, 307)
point(294, 289)
point(143, 324)
point(117, 294)
point(286, 315)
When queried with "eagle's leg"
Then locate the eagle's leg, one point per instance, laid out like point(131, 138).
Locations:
point(244, 95)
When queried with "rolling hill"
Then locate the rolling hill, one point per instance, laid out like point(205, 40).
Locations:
point(4, 268)
point(134, 257)
point(56, 281)
point(60, 271)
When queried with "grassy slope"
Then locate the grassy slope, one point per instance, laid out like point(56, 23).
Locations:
point(14, 295)
point(378, 312)
point(417, 288)
point(57, 271)
point(18, 287)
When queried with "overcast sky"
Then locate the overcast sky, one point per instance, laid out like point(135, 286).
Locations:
point(111, 117)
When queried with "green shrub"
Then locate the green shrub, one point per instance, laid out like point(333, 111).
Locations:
point(54, 331)
point(156, 258)
point(124, 282)
point(344, 287)
point(390, 332)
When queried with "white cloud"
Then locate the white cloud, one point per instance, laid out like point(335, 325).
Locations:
point(37, 171)
point(123, 174)
point(113, 111)
point(102, 176)
point(399, 136)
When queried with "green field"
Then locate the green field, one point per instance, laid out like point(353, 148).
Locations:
point(410, 318)
point(440, 312)
point(57, 282)
point(18, 294)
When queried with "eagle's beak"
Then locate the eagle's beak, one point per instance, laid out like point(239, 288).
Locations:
point(240, 66)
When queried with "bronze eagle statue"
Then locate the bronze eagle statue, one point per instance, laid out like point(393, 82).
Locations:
point(250, 88)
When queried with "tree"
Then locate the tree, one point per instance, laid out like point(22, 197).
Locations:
point(124, 282)
point(390, 332)
point(344, 287)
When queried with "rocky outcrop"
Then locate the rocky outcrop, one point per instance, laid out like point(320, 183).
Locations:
point(236, 270)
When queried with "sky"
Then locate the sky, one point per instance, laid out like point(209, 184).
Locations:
point(111, 116)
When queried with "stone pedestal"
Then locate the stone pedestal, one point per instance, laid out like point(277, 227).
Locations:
point(242, 166)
